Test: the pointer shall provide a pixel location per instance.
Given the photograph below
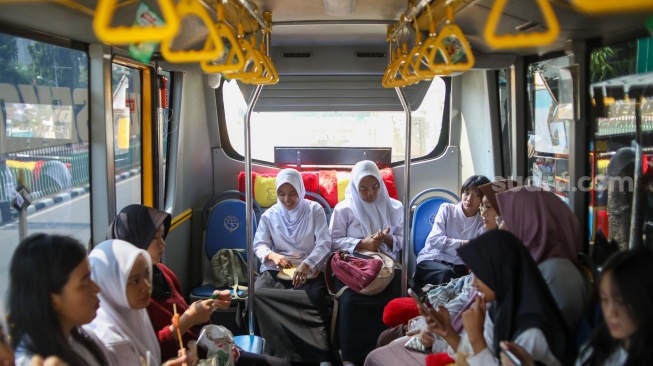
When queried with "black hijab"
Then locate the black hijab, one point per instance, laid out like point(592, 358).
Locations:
point(523, 300)
point(138, 224)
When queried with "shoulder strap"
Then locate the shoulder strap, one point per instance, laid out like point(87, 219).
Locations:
point(328, 273)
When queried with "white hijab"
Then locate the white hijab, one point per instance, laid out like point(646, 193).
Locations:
point(291, 223)
point(111, 263)
point(373, 216)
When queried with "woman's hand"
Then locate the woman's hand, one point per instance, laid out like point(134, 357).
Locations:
point(473, 321)
point(223, 299)
point(426, 338)
point(370, 243)
point(438, 322)
point(192, 353)
point(301, 275)
point(181, 360)
point(280, 260)
point(518, 351)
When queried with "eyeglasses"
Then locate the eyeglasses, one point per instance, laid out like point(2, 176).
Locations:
point(483, 209)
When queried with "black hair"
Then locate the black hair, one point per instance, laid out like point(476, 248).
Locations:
point(42, 265)
point(632, 274)
point(474, 182)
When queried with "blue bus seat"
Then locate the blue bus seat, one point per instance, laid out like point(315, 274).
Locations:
point(327, 209)
point(424, 211)
point(224, 223)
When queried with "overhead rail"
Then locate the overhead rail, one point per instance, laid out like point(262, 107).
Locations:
point(612, 6)
point(523, 40)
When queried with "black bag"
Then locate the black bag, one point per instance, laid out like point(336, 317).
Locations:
point(229, 269)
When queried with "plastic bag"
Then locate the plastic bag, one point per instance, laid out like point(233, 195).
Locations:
point(219, 344)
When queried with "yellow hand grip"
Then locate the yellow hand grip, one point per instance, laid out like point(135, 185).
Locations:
point(424, 61)
point(133, 34)
point(534, 39)
point(234, 61)
point(213, 47)
point(270, 75)
point(453, 30)
point(605, 6)
point(253, 66)
point(392, 77)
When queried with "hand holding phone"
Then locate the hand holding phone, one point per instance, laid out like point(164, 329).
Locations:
point(416, 345)
point(512, 357)
point(419, 302)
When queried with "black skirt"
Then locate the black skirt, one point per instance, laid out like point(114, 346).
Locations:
point(294, 320)
point(360, 319)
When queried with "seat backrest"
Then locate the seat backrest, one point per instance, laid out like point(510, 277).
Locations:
point(423, 217)
point(423, 221)
point(319, 199)
point(226, 227)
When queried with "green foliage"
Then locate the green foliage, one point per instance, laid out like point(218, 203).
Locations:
point(58, 66)
point(12, 72)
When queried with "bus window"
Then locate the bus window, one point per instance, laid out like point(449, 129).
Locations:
point(622, 97)
point(503, 83)
point(44, 150)
point(126, 88)
point(551, 112)
point(336, 129)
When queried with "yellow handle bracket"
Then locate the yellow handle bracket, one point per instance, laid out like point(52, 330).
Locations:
point(611, 6)
point(234, 61)
point(134, 34)
point(213, 47)
point(533, 39)
point(452, 30)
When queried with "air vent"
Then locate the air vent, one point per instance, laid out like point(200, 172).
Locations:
point(296, 54)
point(370, 54)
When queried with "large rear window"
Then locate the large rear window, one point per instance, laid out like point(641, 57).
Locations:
point(335, 129)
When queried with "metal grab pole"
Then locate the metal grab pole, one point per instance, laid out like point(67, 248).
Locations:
point(407, 248)
point(248, 206)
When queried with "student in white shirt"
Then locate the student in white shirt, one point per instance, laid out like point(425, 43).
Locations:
point(124, 273)
point(368, 218)
point(293, 312)
point(516, 305)
point(454, 226)
point(623, 337)
point(51, 295)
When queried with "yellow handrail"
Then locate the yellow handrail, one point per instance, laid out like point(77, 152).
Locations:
point(213, 47)
point(235, 60)
point(450, 29)
point(428, 53)
point(134, 34)
point(609, 6)
point(253, 66)
point(533, 39)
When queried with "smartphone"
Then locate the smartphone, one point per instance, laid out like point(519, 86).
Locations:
point(416, 345)
point(419, 302)
point(512, 357)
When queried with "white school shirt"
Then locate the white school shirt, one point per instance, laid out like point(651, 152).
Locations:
point(450, 228)
point(617, 358)
point(313, 248)
point(531, 339)
point(347, 231)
